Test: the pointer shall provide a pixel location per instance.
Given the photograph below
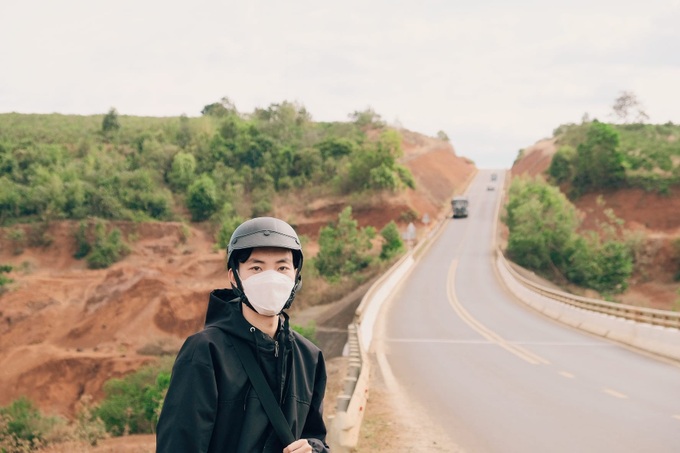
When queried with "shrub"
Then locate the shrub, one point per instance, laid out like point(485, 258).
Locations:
point(308, 331)
point(183, 170)
point(393, 244)
point(132, 403)
point(83, 246)
point(107, 249)
point(202, 198)
point(604, 266)
point(110, 123)
point(228, 220)
point(22, 427)
point(343, 248)
point(87, 427)
point(4, 269)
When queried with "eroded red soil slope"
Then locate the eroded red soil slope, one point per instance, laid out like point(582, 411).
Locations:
point(65, 329)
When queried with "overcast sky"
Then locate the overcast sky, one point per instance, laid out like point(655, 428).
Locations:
point(496, 76)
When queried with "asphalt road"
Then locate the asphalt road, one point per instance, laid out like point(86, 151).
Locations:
point(499, 377)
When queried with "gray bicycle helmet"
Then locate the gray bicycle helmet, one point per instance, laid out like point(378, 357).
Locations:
point(265, 232)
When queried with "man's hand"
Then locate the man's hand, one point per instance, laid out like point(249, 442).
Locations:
point(299, 446)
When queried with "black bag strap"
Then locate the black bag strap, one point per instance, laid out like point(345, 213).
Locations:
point(264, 392)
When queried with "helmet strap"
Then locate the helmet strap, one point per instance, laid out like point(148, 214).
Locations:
point(239, 292)
point(296, 288)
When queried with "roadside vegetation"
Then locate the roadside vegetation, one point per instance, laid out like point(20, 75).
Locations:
point(216, 170)
point(544, 236)
point(545, 232)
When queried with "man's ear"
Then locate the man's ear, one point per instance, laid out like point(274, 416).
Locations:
point(232, 280)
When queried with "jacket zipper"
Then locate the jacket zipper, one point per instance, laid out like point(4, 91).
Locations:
point(276, 348)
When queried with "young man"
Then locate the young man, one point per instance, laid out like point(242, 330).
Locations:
point(211, 404)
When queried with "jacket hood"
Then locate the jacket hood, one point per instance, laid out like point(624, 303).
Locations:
point(224, 312)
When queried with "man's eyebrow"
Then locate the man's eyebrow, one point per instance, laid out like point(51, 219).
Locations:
point(261, 261)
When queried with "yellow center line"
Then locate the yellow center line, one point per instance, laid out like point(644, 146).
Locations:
point(677, 417)
point(482, 329)
point(567, 375)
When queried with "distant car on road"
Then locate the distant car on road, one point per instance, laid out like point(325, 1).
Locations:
point(459, 205)
point(493, 176)
point(490, 187)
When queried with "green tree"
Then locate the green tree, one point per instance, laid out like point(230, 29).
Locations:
point(202, 198)
point(543, 237)
point(335, 148)
point(11, 195)
point(344, 247)
point(562, 164)
point(285, 123)
point(604, 266)
point(224, 107)
point(599, 162)
point(110, 123)
point(393, 245)
point(184, 134)
point(375, 167)
point(183, 170)
point(367, 117)
point(541, 223)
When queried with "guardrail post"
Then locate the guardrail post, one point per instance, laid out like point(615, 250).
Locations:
point(343, 434)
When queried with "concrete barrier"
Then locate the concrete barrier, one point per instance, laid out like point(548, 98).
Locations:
point(619, 322)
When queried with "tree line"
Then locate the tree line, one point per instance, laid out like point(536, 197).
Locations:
point(136, 168)
point(219, 168)
point(596, 156)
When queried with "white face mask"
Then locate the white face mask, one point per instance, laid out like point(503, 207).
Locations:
point(268, 291)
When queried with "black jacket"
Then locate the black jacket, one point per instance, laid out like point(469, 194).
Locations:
point(211, 406)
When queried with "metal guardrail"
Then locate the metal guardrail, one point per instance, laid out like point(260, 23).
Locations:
point(663, 318)
point(353, 369)
point(343, 434)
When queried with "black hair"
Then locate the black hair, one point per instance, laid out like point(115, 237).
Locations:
point(241, 256)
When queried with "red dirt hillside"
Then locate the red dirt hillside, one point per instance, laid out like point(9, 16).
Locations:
point(66, 329)
point(653, 217)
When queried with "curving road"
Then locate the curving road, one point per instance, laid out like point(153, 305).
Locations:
point(501, 378)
